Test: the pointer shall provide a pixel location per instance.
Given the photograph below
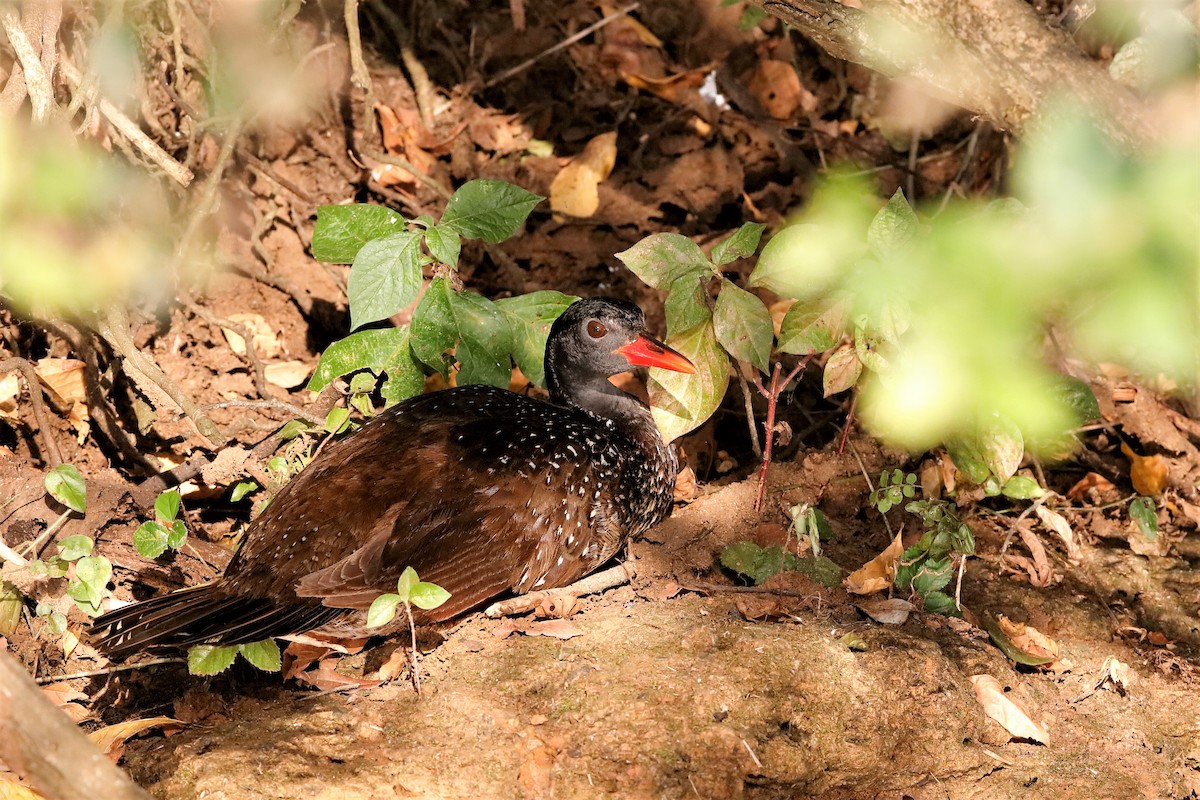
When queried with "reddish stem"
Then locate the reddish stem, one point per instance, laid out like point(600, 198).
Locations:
point(769, 438)
point(849, 421)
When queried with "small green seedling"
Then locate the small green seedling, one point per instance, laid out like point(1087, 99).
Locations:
point(209, 659)
point(166, 531)
point(410, 591)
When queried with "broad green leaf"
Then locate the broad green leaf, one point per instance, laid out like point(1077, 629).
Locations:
point(893, 227)
point(663, 258)
point(382, 610)
point(1022, 487)
point(841, 370)
point(686, 305)
point(75, 547)
point(444, 245)
point(385, 277)
point(405, 378)
point(483, 334)
point(742, 244)
point(11, 606)
point(819, 568)
point(65, 484)
point(530, 316)
point(209, 659)
point(405, 583)
point(489, 210)
point(1003, 447)
point(362, 383)
point(680, 402)
point(341, 231)
point(376, 350)
point(910, 561)
point(801, 260)
point(743, 325)
point(177, 535)
point(968, 458)
point(866, 345)
point(1078, 396)
point(150, 540)
point(292, 429)
point(337, 420)
point(756, 563)
point(931, 575)
point(813, 326)
point(428, 596)
point(265, 655)
point(91, 583)
point(1142, 511)
point(166, 507)
point(941, 603)
point(241, 489)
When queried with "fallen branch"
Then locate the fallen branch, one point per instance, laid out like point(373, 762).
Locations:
point(592, 584)
point(39, 408)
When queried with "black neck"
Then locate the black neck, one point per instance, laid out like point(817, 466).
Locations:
point(595, 395)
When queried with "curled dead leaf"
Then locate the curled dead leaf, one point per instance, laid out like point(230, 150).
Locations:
point(1014, 719)
point(10, 387)
point(64, 378)
point(876, 575)
point(777, 88)
point(111, 739)
point(1148, 473)
point(1058, 523)
point(887, 612)
point(262, 337)
point(286, 374)
point(1092, 482)
point(575, 189)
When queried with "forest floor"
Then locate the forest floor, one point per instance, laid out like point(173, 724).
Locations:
point(678, 684)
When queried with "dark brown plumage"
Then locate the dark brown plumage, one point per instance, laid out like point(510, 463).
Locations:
point(480, 490)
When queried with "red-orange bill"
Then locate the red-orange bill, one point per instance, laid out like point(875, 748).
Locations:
point(645, 351)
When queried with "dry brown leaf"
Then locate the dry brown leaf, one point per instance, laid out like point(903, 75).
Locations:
point(60, 694)
point(111, 739)
point(1041, 571)
point(685, 486)
point(286, 374)
point(1028, 638)
point(777, 88)
point(10, 387)
point(627, 25)
point(575, 189)
point(265, 342)
point(1057, 523)
point(673, 88)
point(1091, 481)
point(887, 612)
point(1014, 719)
point(876, 575)
point(64, 378)
point(1148, 473)
point(76, 712)
point(779, 310)
point(1117, 673)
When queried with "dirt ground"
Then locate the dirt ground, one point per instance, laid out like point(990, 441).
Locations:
point(678, 685)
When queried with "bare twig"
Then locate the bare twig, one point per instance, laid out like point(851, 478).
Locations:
point(422, 86)
point(750, 423)
point(592, 584)
point(278, 405)
point(251, 354)
point(37, 75)
point(53, 454)
point(99, 673)
point(359, 74)
point(570, 40)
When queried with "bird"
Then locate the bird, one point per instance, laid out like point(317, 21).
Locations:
point(480, 490)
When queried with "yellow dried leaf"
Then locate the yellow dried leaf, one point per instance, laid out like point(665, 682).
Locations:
point(1014, 719)
point(1058, 523)
point(265, 342)
point(1028, 638)
point(63, 377)
point(1148, 473)
point(10, 387)
point(111, 738)
point(15, 791)
point(286, 374)
point(777, 88)
point(575, 190)
point(642, 33)
point(876, 575)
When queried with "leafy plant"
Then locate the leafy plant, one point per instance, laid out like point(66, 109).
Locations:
point(410, 591)
point(88, 576)
point(208, 659)
point(760, 564)
point(1142, 511)
point(166, 531)
point(65, 484)
point(451, 328)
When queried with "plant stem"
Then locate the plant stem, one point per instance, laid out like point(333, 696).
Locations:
point(412, 630)
point(772, 401)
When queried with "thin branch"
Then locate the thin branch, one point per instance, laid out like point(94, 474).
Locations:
point(278, 405)
point(99, 673)
point(750, 423)
point(592, 584)
point(37, 80)
point(39, 408)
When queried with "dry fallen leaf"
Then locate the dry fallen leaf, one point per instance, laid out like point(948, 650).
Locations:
point(888, 612)
point(1116, 673)
point(111, 739)
point(1011, 716)
point(64, 378)
point(777, 88)
point(266, 343)
point(1041, 571)
point(1058, 523)
point(1033, 642)
point(876, 575)
point(575, 189)
point(10, 387)
point(1092, 481)
point(1148, 473)
point(286, 374)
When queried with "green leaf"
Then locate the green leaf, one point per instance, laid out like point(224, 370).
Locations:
point(150, 540)
point(377, 350)
point(910, 562)
point(209, 659)
point(818, 568)
point(680, 402)
point(75, 547)
point(1002, 446)
point(12, 604)
point(1022, 487)
point(941, 603)
point(530, 317)
point(968, 459)
point(1142, 511)
point(428, 596)
point(489, 210)
point(65, 484)
point(91, 583)
point(177, 535)
point(814, 326)
point(742, 244)
point(932, 575)
point(362, 383)
point(265, 655)
point(893, 227)
point(341, 231)
point(800, 261)
point(444, 245)
point(1078, 397)
point(385, 277)
point(841, 370)
point(756, 563)
point(166, 507)
point(337, 420)
point(483, 334)
point(686, 305)
point(57, 623)
point(405, 583)
point(743, 325)
point(295, 427)
point(661, 259)
point(382, 610)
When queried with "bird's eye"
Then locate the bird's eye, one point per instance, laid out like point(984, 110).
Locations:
point(596, 329)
